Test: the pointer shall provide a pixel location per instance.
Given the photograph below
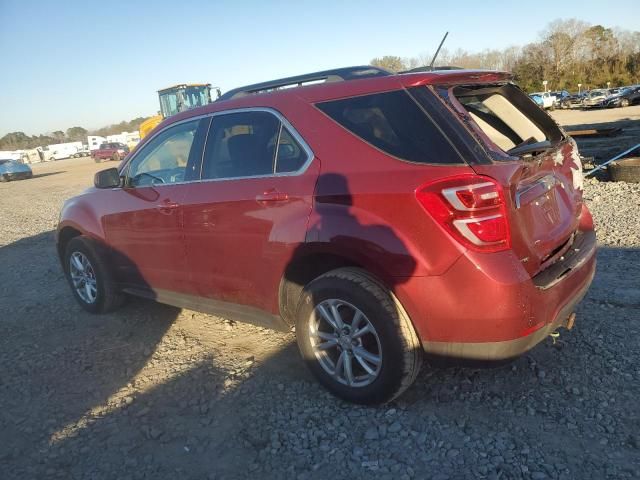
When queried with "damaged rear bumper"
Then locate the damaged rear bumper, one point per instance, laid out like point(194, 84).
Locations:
point(507, 349)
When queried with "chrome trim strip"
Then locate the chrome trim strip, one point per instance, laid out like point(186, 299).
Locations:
point(548, 182)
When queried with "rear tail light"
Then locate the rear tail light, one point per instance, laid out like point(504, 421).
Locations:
point(471, 208)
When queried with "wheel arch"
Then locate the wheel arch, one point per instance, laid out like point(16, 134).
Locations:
point(65, 235)
point(313, 261)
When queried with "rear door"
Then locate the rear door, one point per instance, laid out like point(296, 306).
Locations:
point(533, 160)
point(249, 212)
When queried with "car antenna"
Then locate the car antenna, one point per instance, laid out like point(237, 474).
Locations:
point(433, 60)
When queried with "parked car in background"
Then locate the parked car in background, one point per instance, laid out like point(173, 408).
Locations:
point(110, 151)
point(573, 100)
point(624, 97)
point(538, 99)
point(595, 98)
point(14, 170)
point(560, 96)
point(83, 152)
point(548, 100)
point(383, 215)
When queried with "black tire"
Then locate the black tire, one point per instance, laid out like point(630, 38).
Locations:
point(625, 170)
point(116, 157)
point(400, 348)
point(108, 296)
point(4, 178)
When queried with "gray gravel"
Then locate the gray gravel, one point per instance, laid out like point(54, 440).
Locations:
point(155, 392)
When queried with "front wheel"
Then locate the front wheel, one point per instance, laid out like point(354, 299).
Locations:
point(116, 157)
point(90, 278)
point(624, 102)
point(356, 338)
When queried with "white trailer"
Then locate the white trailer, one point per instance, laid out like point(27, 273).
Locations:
point(94, 142)
point(58, 151)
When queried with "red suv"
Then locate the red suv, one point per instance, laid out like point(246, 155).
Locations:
point(381, 215)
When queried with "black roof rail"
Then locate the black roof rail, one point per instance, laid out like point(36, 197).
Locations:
point(335, 75)
point(427, 68)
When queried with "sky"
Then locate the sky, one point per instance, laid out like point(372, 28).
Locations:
point(93, 63)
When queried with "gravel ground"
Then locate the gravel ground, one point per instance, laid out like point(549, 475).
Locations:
point(155, 392)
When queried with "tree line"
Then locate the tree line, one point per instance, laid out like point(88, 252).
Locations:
point(22, 141)
point(568, 53)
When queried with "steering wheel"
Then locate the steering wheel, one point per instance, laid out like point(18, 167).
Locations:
point(153, 180)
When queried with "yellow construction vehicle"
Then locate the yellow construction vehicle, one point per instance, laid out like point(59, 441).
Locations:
point(176, 99)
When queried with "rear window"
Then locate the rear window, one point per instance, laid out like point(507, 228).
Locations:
point(504, 114)
point(395, 124)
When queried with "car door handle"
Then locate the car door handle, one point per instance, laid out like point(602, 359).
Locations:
point(167, 207)
point(272, 196)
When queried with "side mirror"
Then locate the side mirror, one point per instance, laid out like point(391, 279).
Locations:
point(109, 178)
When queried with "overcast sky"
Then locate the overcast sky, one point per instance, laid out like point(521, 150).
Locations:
point(90, 63)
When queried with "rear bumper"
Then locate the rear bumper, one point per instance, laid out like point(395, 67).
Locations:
point(508, 348)
point(18, 175)
point(490, 309)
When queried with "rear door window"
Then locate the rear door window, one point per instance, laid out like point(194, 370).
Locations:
point(290, 156)
point(395, 124)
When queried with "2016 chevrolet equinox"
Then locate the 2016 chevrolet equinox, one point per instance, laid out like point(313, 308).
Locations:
point(383, 215)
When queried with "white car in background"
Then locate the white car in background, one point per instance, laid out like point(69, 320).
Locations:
point(548, 100)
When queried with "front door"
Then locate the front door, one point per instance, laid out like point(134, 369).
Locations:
point(246, 216)
point(145, 229)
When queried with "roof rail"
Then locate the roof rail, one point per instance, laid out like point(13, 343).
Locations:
point(335, 75)
point(427, 68)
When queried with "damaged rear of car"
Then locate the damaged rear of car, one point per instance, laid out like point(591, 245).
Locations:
point(533, 243)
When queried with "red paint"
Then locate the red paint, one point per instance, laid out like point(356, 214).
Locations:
point(232, 240)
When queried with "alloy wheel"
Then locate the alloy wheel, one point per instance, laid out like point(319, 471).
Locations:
point(345, 343)
point(83, 277)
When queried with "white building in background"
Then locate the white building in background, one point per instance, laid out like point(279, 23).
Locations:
point(94, 142)
point(128, 138)
point(11, 154)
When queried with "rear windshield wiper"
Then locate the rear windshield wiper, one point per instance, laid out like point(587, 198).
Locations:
point(529, 146)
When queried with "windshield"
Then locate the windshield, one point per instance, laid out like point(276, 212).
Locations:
point(169, 104)
point(196, 96)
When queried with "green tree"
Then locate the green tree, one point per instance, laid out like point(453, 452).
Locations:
point(389, 62)
point(58, 135)
point(77, 134)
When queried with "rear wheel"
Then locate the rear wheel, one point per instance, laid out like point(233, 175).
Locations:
point(116, 157)
point(356, 338)
point(97, 160)
point(90, 278)
point(624, 102)
point(4, 178)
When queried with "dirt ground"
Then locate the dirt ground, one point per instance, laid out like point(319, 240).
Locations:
point(603, 148)
point(152, 391)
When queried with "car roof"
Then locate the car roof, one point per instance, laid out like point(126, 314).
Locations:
point(335, 88)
